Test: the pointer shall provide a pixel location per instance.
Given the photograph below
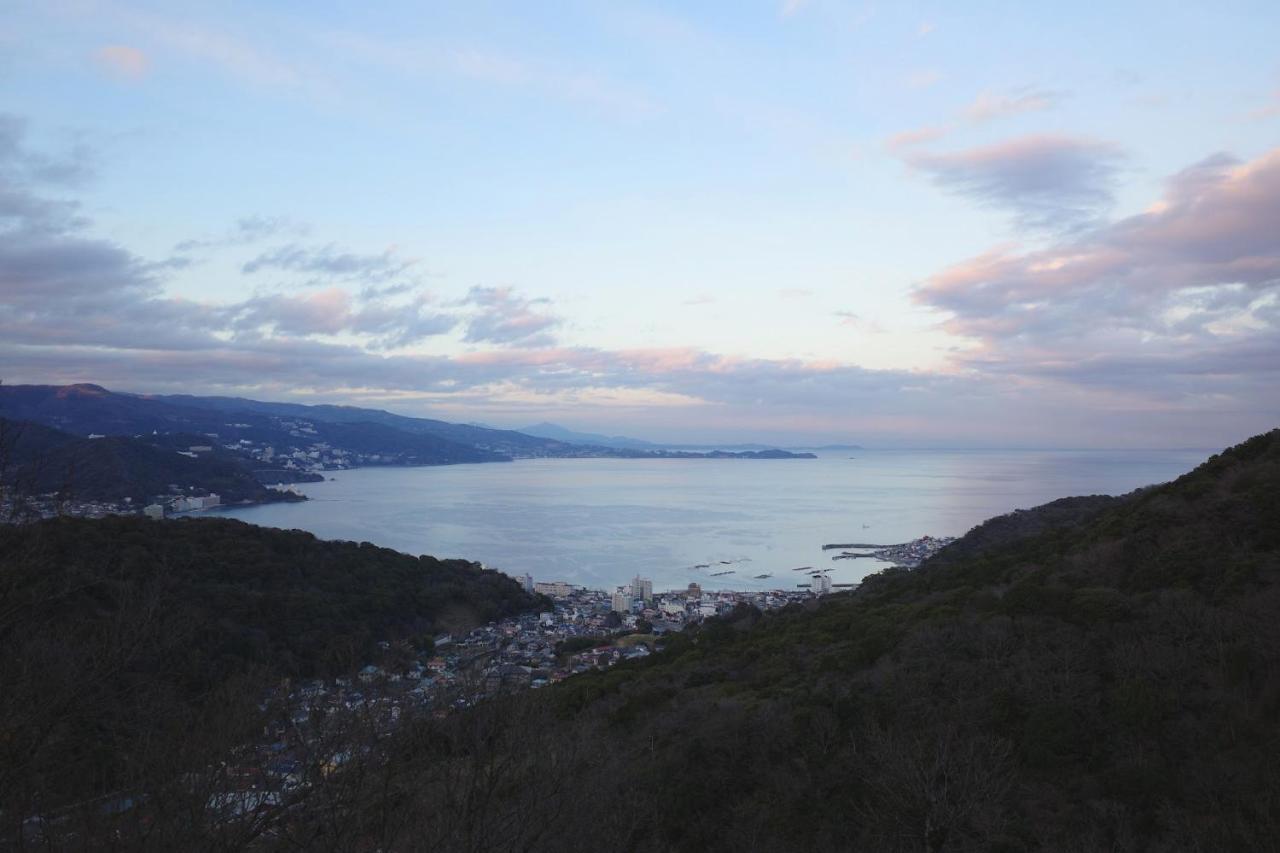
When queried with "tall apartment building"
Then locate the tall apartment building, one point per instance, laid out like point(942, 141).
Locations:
point(642, 588)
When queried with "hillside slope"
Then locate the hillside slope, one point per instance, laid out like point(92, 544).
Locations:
point(496, 440)
point(1092, 675)
point(87, 409)
point(135, 649)
point(1113, 683)
point(38, 460)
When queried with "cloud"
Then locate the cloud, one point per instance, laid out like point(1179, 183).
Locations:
point(1269, 110)
point(989, 106)
point(246, 231)
point(1164, 320)
point(20, 166)
point(329, 263)
point(59, 286)
point(334, 311)
point(906, 139)
point(503, 317)
point(233, 53)
point(852, 320)
point(122, 62)
point(1046, 182)
point(1179, 299)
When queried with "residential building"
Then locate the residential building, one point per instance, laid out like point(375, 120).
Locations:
point(642, 588)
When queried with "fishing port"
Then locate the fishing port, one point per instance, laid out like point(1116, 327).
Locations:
point(908, 554)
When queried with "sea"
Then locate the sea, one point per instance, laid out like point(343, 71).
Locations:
point(723, 523)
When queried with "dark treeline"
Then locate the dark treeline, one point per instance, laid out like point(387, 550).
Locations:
point(1108, 681)
point(133, 648)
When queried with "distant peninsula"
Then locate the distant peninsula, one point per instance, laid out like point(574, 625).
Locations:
point(113, 452)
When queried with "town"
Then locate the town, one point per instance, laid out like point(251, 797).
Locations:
point(29, 508)
point(581, 630)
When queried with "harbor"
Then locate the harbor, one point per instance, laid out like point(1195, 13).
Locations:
point(908, 554)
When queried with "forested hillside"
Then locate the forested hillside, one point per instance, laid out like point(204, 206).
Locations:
point(1113, 683)
point(128, 642)
point(1099, 675)
point(1109, 684)
point(38, 460)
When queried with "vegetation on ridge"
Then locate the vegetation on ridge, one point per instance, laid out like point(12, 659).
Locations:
point(1102, 674)
point(120, 634)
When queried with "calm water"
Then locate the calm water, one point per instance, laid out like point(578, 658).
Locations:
point(599, 522)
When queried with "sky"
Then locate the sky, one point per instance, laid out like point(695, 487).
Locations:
point(1003, 225)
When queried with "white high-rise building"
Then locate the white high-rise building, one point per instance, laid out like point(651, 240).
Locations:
point(621, 604)
point(642, 588)
point(821, 585)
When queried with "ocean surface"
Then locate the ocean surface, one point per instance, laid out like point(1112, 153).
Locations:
point(599, 522)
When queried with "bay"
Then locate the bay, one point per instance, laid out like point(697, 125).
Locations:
point(599, 522)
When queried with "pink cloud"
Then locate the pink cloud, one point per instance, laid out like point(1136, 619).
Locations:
point(1192, 282)
point(918, 136)
point(991, 105)
point(122, 62)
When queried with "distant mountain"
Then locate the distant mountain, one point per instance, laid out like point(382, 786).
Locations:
point(272, 434)
point(285, 438)
point(559, 433)
point(38, 460)
point(622, 442)
point(502, 441)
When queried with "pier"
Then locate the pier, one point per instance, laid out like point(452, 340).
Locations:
point(861, 545)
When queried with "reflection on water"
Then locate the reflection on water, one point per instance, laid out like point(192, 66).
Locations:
point(599, 522)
